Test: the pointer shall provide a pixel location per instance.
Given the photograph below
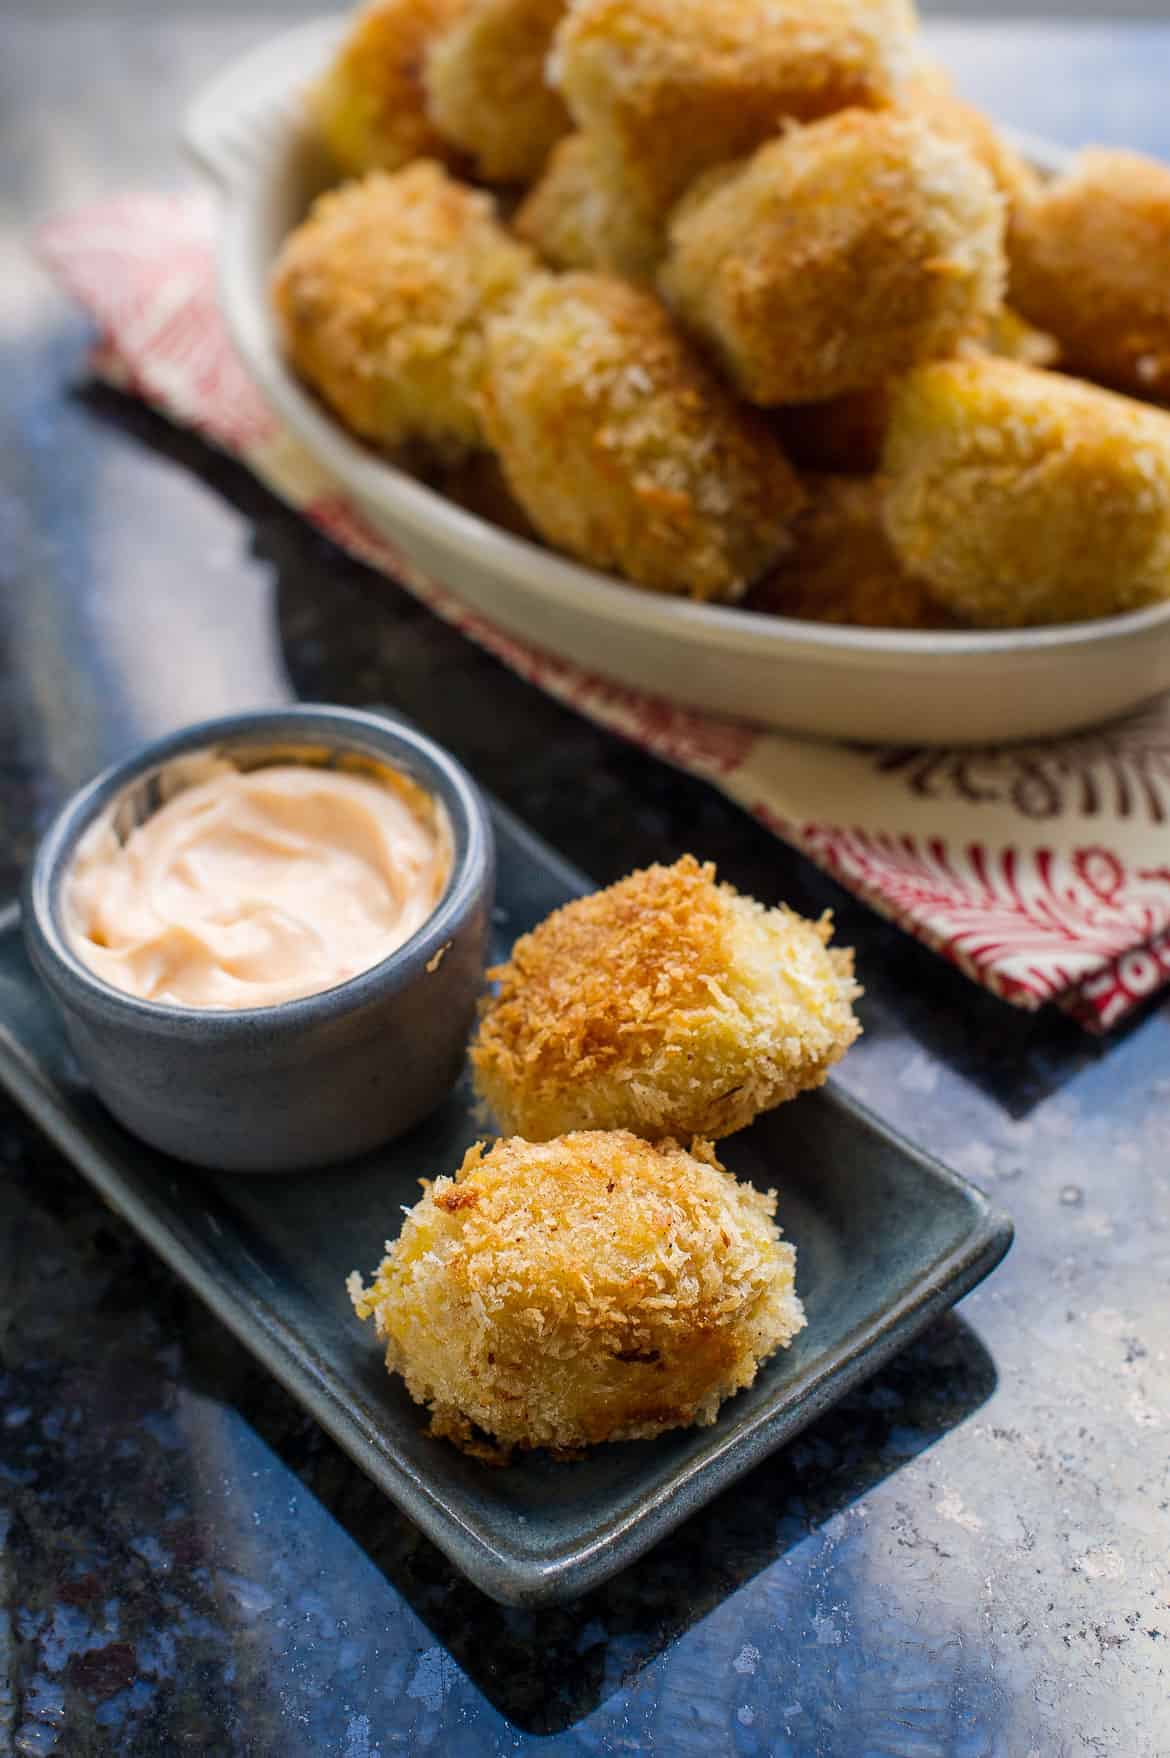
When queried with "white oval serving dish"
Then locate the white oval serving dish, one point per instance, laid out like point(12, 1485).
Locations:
point(247, 129)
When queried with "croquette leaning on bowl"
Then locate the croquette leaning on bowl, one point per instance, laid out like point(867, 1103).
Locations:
point(1024, 497)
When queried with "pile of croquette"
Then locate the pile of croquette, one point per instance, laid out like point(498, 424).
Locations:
point(710, 285)
point(597, 1275)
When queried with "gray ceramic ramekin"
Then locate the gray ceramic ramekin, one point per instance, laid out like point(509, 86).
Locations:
point(308, 1082)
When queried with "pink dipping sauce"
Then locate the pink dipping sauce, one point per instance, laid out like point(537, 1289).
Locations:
point(249, 888)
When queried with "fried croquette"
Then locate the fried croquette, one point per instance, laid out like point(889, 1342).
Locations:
point(1023, 497)
point(1090, 261)
point(837, 255)
point(578, 217)
point(382, 295)
point(595, 1288)
point(370, 108)
point(669, 88)
point(930, 95)
point(842, 568)
point(487, 91)
point(668, 1005)
point(624, 448)
point(845, 436)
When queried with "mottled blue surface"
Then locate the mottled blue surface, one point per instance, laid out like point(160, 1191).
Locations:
point(968, 1559)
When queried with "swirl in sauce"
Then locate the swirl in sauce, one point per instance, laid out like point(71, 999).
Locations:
point(250, 888)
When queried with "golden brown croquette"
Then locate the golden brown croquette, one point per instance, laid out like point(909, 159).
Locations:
point(590, 1289)
point(838, 255)
point(1090, 261)
point(382, 294)
point(370, 107)
point(669, 88)
point(845, 436)
point(842, 569)
point(667, 1005)
point(624, 448)
point(487, 91)
point(1023, 497)
point(579, 217)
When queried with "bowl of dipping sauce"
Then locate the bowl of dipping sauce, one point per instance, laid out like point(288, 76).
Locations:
point(267, 934)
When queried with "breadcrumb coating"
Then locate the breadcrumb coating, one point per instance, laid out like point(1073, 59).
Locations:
point(845, 436)
point(1090, 261)
point(382, 295)
point(1024, 497)
point(590, 1289)
point(668, 1005)
point(370, 107)
point(930, 95)
point(839, 254)
point(842, 568)
point(487, 91)
point(580, 217)
point(669, 88)
point(624, 448)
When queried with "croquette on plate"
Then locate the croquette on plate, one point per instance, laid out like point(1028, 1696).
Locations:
point(578, 216)
point(837, 255)
point(624, 448)
point(668, 1005)
point(591, 1289)
point(382, 295)
point(487, 90)
point(842, 568)
point(669, 88)
point(1023, 497)
point(1090, 261)
point(370, 106)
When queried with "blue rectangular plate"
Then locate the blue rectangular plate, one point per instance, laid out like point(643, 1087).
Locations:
point(886, 1239)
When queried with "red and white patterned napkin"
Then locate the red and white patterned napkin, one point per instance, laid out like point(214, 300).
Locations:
point(1042, 871)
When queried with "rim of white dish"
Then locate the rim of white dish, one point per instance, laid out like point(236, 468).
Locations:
point(268, 118)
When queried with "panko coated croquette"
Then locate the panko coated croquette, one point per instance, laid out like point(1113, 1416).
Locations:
point(1090, 261)
point(487, 90)
point(578, 217)
point(668, 1005)
point(1024, 497)
point(839, 254)
point(623, 447)
point(842, 568)
point(669, 88)
point(592, 1289)
point(382, 295)
point(370, 107)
